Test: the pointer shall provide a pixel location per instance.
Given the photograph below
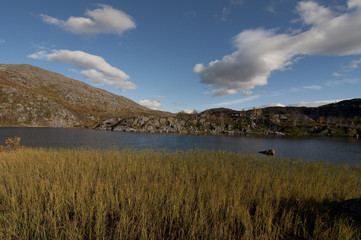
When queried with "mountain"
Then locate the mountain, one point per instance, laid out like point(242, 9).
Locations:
point(31, 96)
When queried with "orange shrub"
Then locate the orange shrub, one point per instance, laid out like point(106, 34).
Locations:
point(12, 145)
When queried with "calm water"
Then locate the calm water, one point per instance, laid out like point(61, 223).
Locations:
point(330, 149)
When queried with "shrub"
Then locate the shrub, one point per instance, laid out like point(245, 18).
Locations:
point(12, 145)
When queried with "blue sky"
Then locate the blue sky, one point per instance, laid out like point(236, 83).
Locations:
point(176, 55)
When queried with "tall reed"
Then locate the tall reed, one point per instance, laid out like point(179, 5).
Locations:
point(92, 194)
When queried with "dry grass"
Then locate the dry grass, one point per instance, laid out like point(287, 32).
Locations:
point(89, 194)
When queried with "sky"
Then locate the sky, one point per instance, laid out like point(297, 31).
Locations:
point(185, 55)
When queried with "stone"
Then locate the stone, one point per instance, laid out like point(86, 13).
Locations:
point(269, 152)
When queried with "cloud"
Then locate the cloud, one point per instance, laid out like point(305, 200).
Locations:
point(247, 92)
point(313, 104)
point(273, 105)
point(313, 87)
point(223, 92)
point(238, 101)
point(333, 83)
point(101, 20)
point(349, 68)
point(188, 111)
point(352, 65)
point(225, 12)
point(199, 67)
point(271, 7)
point(93, 67)
point(2, 41)
point(155, 105)
point(302, 104)
point(261, 51)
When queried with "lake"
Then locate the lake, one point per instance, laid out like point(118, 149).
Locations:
point(309, 148)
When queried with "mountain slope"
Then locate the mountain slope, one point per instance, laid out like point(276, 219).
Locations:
point(31, 96)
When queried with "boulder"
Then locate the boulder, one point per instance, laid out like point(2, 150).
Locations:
point(269, 152)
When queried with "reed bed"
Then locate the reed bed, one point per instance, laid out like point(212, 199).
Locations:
point(93, 194)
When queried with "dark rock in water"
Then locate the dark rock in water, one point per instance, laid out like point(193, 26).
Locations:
point(270, 152)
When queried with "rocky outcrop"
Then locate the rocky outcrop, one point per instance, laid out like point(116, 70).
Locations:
point(208, 124)
point(203, 124)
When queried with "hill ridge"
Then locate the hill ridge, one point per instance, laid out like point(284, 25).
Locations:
point(32, 96)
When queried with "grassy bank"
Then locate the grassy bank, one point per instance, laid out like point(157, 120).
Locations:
point(89, 194)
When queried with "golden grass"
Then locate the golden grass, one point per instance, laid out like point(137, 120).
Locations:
point(91, 194)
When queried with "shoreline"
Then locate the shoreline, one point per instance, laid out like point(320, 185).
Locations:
point(163, 132)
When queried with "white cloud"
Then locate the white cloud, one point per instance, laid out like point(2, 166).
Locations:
point(93, 67)
point(247, 92)
point(348, 68)
point(238, 101)
point(101, 20)
point(188, 111)
point(333, 83)
point(260, 52)
point(155, 105)
point(38, 55)
point(352, 65)
point(313, 104)
point(273, 105)
point(313, 87)
point(199, 67)
point(354, 3)
point(2, 41)
point(302, 104)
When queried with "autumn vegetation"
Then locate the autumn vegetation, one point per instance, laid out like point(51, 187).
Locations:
point(93, 194)
point(11, 145)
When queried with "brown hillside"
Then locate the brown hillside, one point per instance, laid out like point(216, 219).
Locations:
point(31, 96)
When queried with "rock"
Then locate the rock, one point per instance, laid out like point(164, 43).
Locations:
point(119, 129)
point(269, 152)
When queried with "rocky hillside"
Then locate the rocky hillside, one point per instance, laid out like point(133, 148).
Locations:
point(339, 119)
point(31, 96)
